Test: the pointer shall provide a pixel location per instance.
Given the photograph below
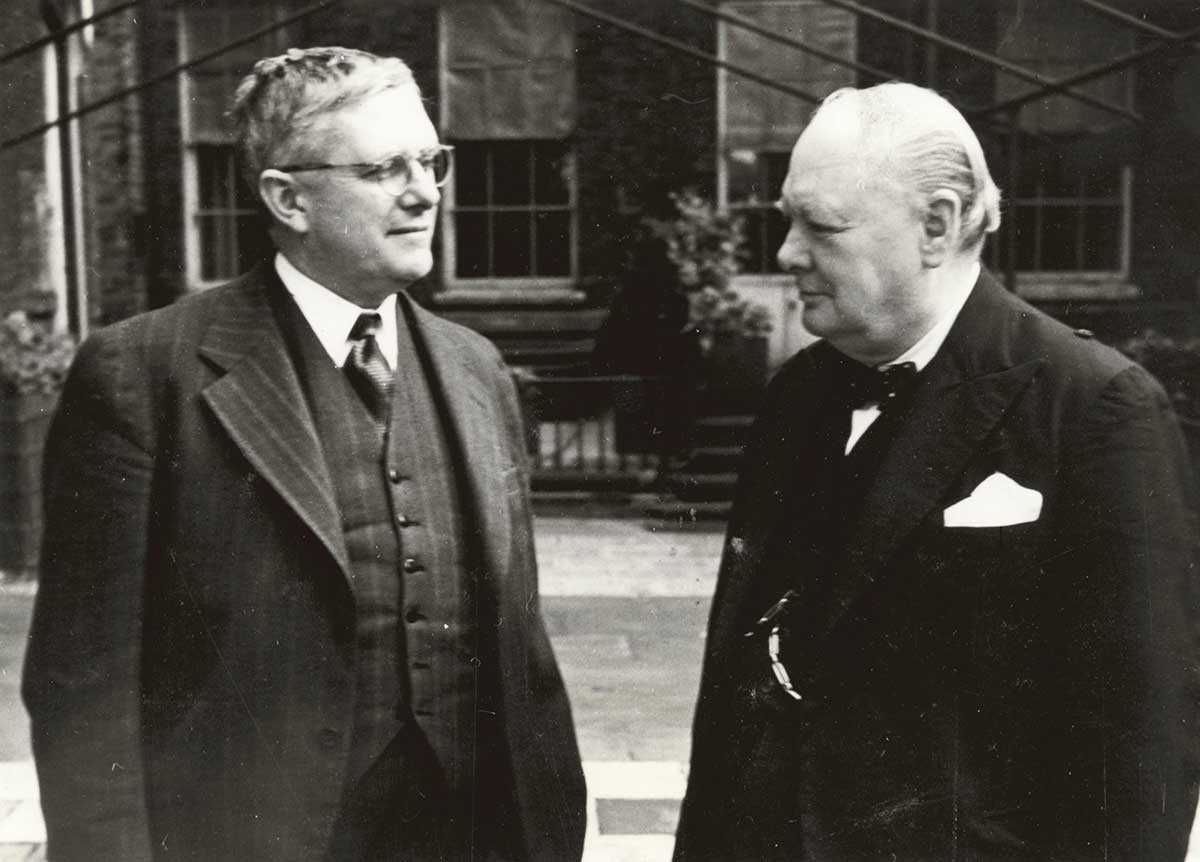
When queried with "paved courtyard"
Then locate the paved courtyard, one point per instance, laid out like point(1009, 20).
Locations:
point(626, 610)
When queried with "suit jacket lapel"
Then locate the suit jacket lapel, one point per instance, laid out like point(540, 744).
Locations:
point(474, 422)
point(260, 403)
point(969, 387)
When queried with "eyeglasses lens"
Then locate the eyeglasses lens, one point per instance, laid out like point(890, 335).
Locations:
point(398, 175)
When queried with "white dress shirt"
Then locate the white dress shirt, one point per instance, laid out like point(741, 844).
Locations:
point(920, 355)
point(332, 317)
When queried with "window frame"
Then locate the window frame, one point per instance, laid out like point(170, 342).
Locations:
point(189, 143)
point(483, 286)
point(724, 154)
point(1083, 284)
point(498, 289)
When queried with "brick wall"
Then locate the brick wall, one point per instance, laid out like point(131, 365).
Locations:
point(24, 218)
point(112, 171)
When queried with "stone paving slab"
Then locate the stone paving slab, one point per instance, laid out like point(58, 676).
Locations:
point(608, 557)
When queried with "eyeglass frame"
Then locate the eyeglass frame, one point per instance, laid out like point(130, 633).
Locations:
point(365, 170)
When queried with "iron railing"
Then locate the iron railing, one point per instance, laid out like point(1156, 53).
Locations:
point(615, 432)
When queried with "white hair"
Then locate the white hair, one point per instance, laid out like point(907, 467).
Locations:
point(923, 143)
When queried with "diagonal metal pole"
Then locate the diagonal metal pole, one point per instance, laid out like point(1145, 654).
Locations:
point(682, 47)
point(991, 59)
point(1129, 20)
point(81, 24)
point(167, 75)
point(774, 36)
point(1131, 59)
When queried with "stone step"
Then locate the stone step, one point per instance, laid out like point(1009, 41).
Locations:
point(713, 459)
point(546, 480)
point(722, 430)
point(702, 487)
point(686, 515)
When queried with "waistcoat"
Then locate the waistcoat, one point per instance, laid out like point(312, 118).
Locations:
point(399, 496)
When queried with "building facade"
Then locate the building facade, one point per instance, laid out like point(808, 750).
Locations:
point(571, 129)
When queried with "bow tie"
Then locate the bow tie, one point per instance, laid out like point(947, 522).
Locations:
point(860, 385)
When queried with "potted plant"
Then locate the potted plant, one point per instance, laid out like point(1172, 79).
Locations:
point(703, 246)
point(33, 365)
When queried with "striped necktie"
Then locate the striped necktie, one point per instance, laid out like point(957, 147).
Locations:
point(366, 367)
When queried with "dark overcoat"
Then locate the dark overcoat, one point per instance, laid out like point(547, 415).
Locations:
point(1022, 691)
point(190, 676)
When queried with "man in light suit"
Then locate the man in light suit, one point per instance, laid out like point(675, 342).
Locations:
point(955, 617)
point(288, 609)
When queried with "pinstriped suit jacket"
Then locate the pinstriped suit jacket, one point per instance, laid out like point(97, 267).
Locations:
point(191, 666)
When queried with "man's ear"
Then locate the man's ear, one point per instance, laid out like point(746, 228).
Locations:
point(284, 199)
point(940, 227)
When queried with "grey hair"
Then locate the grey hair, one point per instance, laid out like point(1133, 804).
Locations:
point(278, 102)
point(925, 144)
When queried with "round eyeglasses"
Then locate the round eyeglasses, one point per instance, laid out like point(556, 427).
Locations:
point(394, 174)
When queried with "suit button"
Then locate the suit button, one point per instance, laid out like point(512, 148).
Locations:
point(411, 565)
point(414, 615)
point(404, 521)
point(328, 738)
point(394, 476)
point(1085, 333)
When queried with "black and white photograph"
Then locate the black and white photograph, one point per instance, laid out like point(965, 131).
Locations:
point(600, 431)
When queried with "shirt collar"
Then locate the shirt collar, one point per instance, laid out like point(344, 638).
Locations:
point(922, 353)
point(332, 317)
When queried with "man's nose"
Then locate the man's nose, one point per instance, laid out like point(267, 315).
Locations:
point(422, 191)
point(794, 255)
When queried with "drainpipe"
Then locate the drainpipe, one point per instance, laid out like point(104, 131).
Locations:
point(77, 317)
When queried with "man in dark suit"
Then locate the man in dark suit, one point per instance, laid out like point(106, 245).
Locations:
point(986, 648)
point(288, 609)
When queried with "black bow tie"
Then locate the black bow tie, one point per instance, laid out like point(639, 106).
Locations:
point(860, 385)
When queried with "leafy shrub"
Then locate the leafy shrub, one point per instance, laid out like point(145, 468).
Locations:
point(33, 359)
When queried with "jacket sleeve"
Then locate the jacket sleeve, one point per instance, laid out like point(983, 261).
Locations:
point(81, 679)
point(1128, 569)
point(546, 724)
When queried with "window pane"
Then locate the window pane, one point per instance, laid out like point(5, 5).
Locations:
point(511, 256)
point(551, 167)
point(777, 168)
point(1026, 227)
point(1102, 238)
point(753, 252)
point(1102, 181)
point(254, 243)
point(230, 245)
point(244, 197)
point(511, 173)
point(211, 96)
point(216, 177)
point(554, 243)
point(1060, 238)
point(777, 228)
point(471, 244)
point(470, 174)
point(1058, 180)
point(745, 178)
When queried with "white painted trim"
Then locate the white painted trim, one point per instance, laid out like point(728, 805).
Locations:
point(188, 170)
point(54, 254)
point(74, 65)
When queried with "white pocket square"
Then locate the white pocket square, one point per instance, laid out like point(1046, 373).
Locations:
point(997, 501)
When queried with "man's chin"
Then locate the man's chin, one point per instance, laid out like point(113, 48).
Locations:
point(412, 269)
point(817, 319)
